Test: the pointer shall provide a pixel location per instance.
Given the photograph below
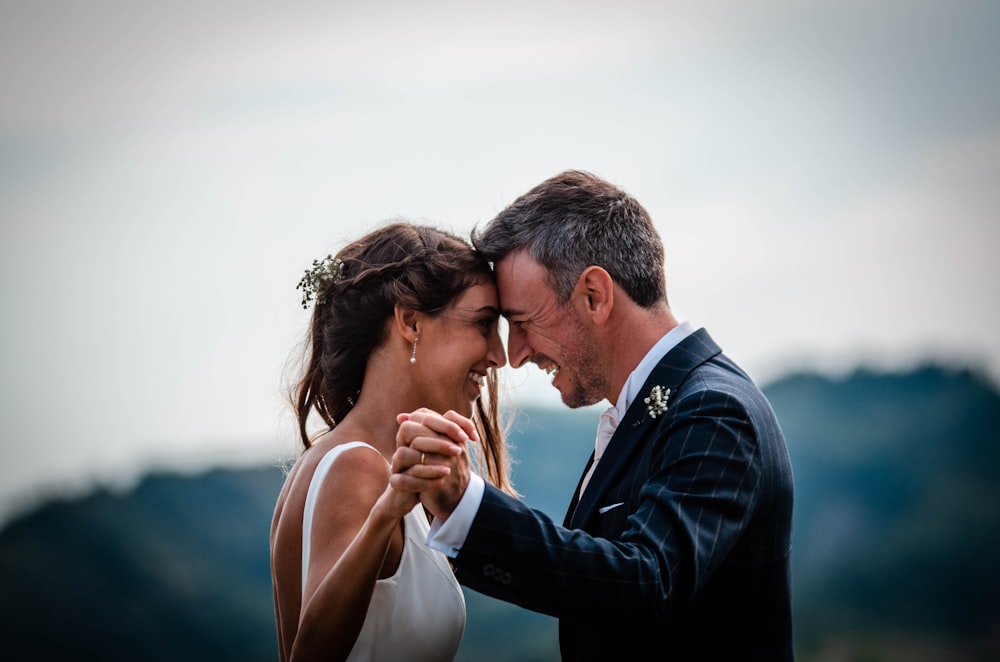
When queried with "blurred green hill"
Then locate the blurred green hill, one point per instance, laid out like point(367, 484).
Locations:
point(895, 548)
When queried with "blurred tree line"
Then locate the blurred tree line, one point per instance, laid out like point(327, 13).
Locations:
point(897, 532)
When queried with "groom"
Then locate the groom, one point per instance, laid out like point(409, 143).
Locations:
point(676, 542)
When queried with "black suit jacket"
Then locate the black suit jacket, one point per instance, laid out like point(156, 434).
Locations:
point(679, 548)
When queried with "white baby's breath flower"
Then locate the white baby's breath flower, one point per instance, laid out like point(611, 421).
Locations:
point(656, 403)
point(324, 273)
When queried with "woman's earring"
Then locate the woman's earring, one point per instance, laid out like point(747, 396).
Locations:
point(413, 356)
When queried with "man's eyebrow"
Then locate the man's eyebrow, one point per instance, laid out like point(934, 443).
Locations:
point(493, 310)
point(508, 313)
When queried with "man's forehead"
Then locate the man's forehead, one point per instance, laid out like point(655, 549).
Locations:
point(521, 283)
point(519, 267)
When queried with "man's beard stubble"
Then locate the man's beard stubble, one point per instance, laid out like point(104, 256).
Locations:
point(588, 384)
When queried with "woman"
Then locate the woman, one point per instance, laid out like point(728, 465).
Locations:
point(404, 317)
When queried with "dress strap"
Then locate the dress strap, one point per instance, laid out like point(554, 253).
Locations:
point(313, 494)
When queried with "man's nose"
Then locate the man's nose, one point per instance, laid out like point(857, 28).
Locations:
point(518, 349)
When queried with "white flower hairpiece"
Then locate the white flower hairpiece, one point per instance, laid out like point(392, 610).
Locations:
point(324, 273)
point(656, 403)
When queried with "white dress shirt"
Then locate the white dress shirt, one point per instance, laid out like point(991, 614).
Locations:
point(448, 536)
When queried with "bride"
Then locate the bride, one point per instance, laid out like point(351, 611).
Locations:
point(405, 317)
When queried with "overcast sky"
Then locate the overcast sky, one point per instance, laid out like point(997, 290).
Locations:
point(824, 174)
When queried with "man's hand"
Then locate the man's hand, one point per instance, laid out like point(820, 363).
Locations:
point(427, 443)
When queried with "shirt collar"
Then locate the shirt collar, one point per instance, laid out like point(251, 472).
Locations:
point(642, 371)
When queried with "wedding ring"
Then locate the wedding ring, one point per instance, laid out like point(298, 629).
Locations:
point(422, 456)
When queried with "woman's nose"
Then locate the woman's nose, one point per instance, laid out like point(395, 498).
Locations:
point(495, 353)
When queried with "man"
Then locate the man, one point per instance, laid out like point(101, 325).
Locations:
point(676, 543)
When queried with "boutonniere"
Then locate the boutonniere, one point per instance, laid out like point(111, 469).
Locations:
point(656, 403)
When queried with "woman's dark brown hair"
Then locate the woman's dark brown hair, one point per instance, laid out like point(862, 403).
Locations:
point(417, 267)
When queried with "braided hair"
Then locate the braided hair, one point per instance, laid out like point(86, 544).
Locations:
point(417, 267)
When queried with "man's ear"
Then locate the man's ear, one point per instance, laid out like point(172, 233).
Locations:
point(596, 291)
point(405, 322)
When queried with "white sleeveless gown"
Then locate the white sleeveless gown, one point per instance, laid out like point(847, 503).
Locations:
point(418, 614)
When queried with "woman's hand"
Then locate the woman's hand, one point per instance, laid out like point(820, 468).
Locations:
point(432, 459)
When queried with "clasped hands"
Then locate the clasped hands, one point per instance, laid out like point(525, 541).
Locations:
point(432, 458)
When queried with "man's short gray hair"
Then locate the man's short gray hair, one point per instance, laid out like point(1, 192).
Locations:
point(575, 220)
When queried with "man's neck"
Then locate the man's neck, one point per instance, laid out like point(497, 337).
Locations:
point(630, 338)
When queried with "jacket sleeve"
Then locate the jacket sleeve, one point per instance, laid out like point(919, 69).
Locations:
point(687, 495)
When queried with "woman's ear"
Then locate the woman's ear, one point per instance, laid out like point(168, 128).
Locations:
point(596, 293)
point(405, 322)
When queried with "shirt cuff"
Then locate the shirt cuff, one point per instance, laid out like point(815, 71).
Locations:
point(449, 535)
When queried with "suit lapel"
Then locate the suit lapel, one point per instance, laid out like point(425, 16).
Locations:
point(576, 493)
point(670, 373)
